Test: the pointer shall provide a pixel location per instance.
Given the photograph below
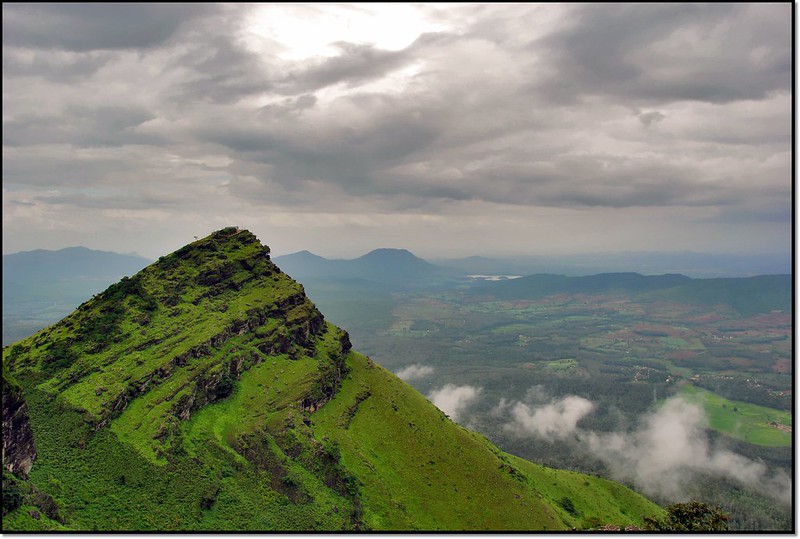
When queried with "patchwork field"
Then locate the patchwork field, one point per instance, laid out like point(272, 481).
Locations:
point(624, 352)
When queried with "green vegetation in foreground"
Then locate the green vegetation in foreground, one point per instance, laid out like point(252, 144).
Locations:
point(751, 423)
point(208, 393)
point(693, 516)
point(420, 471)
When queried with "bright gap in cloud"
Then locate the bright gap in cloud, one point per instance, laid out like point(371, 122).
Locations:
point(308, 30)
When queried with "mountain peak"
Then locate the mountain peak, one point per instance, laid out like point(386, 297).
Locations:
point(303, 256)
point(186, 305)
point(390, 253)
point(385, 254)
point(232, 235)
point(389, 250)
point(384, 265)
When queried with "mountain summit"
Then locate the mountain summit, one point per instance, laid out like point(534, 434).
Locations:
point(207, 392)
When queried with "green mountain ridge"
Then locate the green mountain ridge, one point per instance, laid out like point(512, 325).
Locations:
point(207, 392)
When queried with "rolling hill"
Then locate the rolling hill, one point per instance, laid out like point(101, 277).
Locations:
point(385, 266)
point(745, 295)
point(700, 265)
point(207, 392)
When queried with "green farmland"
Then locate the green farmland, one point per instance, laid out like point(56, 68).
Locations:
point(751, 423)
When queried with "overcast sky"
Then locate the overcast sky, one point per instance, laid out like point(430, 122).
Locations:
point(445, 129)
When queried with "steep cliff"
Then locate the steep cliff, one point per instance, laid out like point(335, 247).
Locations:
point(19, 449)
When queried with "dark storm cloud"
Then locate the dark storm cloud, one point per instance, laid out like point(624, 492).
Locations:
point(649, 118)
point(222, 70)
point(574, 181)
point(618, 182)
point(350, 154)
point(94, 26)
point(716, 52)
point(510, 29)
point(81, 126)
point(446, 122)
point(54, 66)
point(219, 70)
point(305, 101)
point(287, 109)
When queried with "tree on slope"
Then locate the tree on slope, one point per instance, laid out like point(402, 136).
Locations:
point(689, 517)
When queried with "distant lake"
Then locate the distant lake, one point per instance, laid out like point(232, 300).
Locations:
point(494, 277)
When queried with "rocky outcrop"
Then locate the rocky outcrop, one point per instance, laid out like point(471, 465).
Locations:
point(19, 450)
point(300, 324)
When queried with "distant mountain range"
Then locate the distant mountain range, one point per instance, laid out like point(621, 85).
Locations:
point(685, 263)
point(41, 286)
point(746, 295)
point(398, 266)
point(387, 266)
point(84, 269)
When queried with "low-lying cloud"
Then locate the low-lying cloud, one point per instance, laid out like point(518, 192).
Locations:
point(557, 419)
point(414, 372)
point(660, 455)
point(454, 400)
point(670, 446)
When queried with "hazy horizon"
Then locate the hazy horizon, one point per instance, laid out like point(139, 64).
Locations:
point(689, 263)
point(437, 257)
point(446, 129)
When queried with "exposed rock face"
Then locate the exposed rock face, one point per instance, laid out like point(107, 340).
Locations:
point(19, 451)
point(301, 323)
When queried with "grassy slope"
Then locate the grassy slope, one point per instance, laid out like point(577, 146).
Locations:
point(741, 420)
point(112, 480)
point(421, 471)
point(415, 468)
point(256, 459)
